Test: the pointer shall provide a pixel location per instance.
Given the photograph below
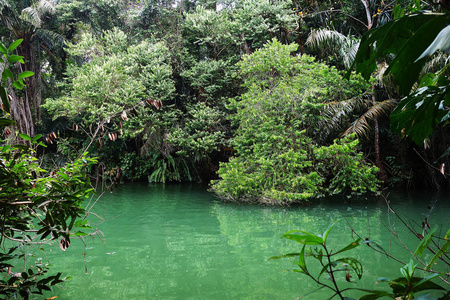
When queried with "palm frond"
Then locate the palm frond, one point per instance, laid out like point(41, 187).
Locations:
point(325, 40)
point(348, 51)
point(363, 125)
point(336, 114)
point(36, 11)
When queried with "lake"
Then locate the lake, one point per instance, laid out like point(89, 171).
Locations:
point(178, 241)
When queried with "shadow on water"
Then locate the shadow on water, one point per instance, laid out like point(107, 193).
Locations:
point(178, 241)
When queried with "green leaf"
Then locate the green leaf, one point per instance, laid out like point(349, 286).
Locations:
point(375, 295)
point(3, 49)
point(418, 114)
point(303, 237)
point(301, 259)
point(325, 234)
point(25, 136)
point(26, 74)
point(14, 45)
point(441, 251)
point(425, 241)
point(36, 137)
point(7, 74)
point(352, 245)
point(406, 38)
point(400, 285)
point(354, 264)
point(284, 256)
point(15, 58)
point(5, 100)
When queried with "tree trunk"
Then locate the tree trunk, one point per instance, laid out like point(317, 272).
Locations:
point(378, 161)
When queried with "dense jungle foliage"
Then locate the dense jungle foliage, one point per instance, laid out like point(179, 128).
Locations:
point(274, 101)
point(248, 93)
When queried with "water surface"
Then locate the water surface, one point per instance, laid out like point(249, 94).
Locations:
point(180, 242)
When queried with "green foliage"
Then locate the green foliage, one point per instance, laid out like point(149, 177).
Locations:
point(37, 208)
point(200, 133)
point(278, 159)
point(315, 250)
point(406, 38)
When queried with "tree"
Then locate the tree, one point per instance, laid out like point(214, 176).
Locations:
point(36, 206)
point(278, 161)
point(26, 20)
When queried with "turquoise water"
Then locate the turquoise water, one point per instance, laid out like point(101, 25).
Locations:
point(180, 242)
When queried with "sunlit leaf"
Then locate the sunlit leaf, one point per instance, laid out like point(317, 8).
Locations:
point(325, 234)
point(303, 237)
point(26, 74)
point(441, 42)
point(14, 45)
point(3, 48)
point(25, 136)
point(15, 58)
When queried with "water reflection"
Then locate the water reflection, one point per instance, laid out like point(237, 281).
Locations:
point(179, 242)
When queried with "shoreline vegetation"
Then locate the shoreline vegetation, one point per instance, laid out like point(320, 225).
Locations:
point(271, 102)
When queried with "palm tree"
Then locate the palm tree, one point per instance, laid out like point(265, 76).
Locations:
point(25, 20)
point(367, 107)
point(332, 43)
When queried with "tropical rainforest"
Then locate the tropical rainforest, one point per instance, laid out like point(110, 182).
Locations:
point(269, 102)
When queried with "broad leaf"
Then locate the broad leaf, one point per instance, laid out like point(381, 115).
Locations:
point(352, 245)
point(425, 241)
point(14, 45)
point(376, 295)
point(15, 58)
point(399, 285)
point(441, 251)
point(25, 74)
point(6, 122)
point(5, 100)
point(303, 237)
point(325, 234)
point(3, 48)
point(406, 38)
point(418, 114)
point(25, 136)
point(7, 74)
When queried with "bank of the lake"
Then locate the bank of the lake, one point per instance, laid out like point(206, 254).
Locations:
point(179, 242)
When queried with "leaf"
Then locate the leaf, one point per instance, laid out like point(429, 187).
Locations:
point(354, 264)
point(26, 74)
point(406, 38)
point(15, 58)
point(7, 74)
point(284, 256)
point(25, 136)
point(303, 237)
point(441, 251)
point(325, 234)
point(301, 259)
point(399, 285)
point(425, 241)
point(3, 49)
point(5, 100)
point(441, 42)
point(36, 137)
point(352, 245)
point(14, 45)
point(418, 114)
point(375, 295)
